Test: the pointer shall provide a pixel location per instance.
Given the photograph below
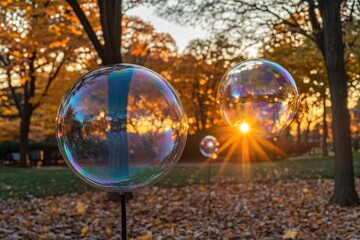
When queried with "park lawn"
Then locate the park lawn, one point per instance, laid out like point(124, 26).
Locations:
point(28, 183)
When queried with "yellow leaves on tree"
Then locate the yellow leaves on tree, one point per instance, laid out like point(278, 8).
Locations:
point(58, 44)
point(36, 46)
point(142, 44)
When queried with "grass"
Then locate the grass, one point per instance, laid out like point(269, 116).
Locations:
point(27, 183)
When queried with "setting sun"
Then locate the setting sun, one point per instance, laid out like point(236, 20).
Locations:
point(244, 127)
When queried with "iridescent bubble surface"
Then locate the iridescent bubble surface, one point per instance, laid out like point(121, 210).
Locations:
point(209, 146)
point(258, 96)
point(121, 127)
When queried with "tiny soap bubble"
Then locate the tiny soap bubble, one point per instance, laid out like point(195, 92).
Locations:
point(209, 146)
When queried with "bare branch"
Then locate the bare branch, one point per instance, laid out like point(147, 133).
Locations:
point(38, 66)
point(4, 60)
point(87, 27)
point(50, 80)
point(13, 94)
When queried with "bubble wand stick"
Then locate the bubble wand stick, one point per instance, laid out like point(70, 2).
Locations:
point(209, 146)
point(123, 216)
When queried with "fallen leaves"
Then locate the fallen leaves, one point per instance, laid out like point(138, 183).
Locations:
point(28, 224)
point(84, 230)
point(305, 190)
point(230, 235)
point(296, 209)
point(148, 236)
point(108, 230)
point(80, 208)
point(290, 234)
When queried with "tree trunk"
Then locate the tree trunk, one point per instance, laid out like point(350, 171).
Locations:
point(344, 192)
point(203, 119)
point(111, 20)
point(298, 137)
point(287, 134)
point(24, 137)
point(110, 53)
point(325, 132)
point(197, 121)
point(307, 132)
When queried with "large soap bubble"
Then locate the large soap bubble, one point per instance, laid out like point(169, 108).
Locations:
point(259, 97)
point(121, 127)
point(209, 146)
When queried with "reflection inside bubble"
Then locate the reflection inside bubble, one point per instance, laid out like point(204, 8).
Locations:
point(121, 127)
point(260, 93)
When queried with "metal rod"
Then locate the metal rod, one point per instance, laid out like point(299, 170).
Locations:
point(123, 216)
point(209, 187)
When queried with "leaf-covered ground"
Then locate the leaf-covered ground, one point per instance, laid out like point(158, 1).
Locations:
point(294, 209)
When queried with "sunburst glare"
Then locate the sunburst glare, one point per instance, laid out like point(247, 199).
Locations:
point(244, 127)
point(240, 146)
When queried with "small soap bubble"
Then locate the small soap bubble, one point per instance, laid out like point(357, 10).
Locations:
point(121, 127)
point(209, 146)
point(259, 97)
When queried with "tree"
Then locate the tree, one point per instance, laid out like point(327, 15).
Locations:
point(135, 50)
point(333, 52)
point(320, 21)
point(302, 59)
point(36, 40)
point(356, 126)
point(106, 38)
point(142, 45)
point(198, 72)
point(110, 17)
point(108, 47)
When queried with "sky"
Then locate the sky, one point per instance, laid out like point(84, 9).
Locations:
point(182, 34)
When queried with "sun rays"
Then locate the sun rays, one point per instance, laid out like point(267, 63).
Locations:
point(243, 146)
